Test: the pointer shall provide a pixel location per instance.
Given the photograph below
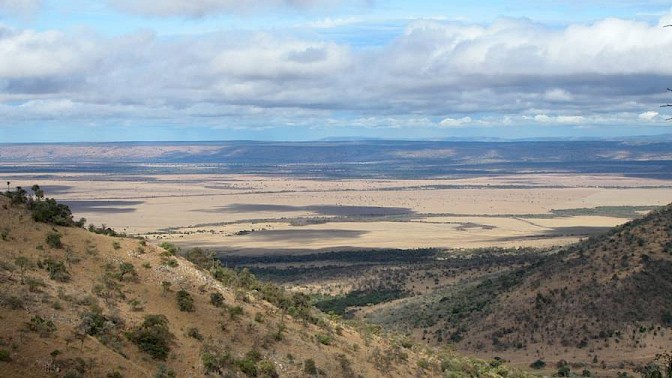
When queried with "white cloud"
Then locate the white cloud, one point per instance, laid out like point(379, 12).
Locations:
point(648, 116)
point(200, 8)
point(439, 73)
point(452, 122)
point(29, 53)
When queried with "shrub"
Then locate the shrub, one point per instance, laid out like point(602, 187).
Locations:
point(217, 299)
point(184, 301)
point(259, 317)
point(213, 362)
point(49, 211)
point(164, 372)
point(5, 356)
point(57, 270)
point(170, 247)
point(247, 366)
point(309, 367)
point(267, 369)
point(324, 339)
point(195, 333)
point(235, 311)
point(54, 240)
point(43, 327)
point(171, 263)
point(116, 245)
point(153, 336)
point(127, 269)
point(538, 364)
point(564, 371)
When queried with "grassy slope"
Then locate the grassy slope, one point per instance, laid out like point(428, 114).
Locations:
point(93, 260)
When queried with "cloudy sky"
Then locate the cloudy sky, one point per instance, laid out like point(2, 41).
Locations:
point(106, 70)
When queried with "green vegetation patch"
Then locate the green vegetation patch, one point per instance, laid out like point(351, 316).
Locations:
point(339, 305)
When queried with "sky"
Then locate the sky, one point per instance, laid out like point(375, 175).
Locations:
point(122, 70)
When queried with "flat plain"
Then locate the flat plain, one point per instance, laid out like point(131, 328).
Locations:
point(257, 214)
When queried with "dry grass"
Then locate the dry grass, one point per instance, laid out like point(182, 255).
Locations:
point(204, 209)
point(92, 260)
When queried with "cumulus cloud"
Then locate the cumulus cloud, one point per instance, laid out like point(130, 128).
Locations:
point(436, 73)
point(200, 8)
point(31, 54)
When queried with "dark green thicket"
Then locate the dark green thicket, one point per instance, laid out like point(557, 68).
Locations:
point(45, 210)
point(153, 336)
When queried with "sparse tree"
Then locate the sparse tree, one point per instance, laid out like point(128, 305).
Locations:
point(39, 193)
point(23, 263)
point(126, 268)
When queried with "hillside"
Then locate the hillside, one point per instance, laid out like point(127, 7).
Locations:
point(79, 303)
point(604, 303)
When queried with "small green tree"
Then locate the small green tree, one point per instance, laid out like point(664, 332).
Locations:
point(127, 269)
point(54, 240)
point(185, 302)
point(153, 336)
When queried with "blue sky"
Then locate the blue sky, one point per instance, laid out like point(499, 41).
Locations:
point(75, 70)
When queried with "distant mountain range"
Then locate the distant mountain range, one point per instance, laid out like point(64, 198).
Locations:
point(352, 158)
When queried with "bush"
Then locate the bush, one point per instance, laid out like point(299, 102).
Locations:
point(57, 270)
point(116, 245)
point(127, 269)
point(235, 311)
point(153, 336)
point(170, 247)
point(247, 366)
point(267, 369)
point(195, 333)
point(54, 240)
point(5, 356)
point(184, 301)
point(48, 211)
point(217, 299)
point(309, 367)
point(564, 371)
point(324, 339)
point(43, 327)
point(538, 364)
point(215, 363)
point(164, 372)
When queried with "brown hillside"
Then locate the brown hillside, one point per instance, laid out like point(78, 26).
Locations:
point(76, 310)
point(611, 289)
point(604, 304)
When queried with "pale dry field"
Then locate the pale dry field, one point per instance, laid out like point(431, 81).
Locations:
point(296, 214)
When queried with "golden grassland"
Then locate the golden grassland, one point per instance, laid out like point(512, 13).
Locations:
point(215, 211)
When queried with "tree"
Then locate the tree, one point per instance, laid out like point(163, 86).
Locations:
point(126, 268)
point(184, 301)
point(153, 336)
point(23, 263)
point(39, 193)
